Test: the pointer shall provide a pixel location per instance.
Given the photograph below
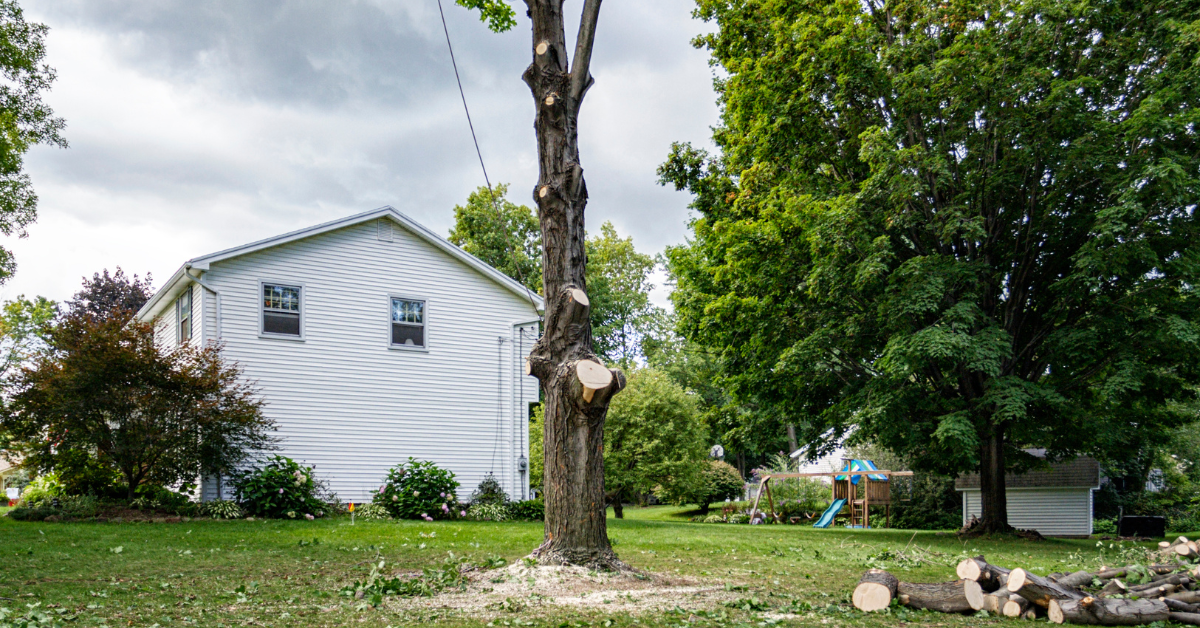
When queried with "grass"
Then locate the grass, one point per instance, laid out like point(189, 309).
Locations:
point(288, 573)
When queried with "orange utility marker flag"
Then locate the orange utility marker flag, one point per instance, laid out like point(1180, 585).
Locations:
point(351, 513)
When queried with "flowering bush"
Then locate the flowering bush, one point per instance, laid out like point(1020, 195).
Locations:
point(418, 489)
point(280, 488)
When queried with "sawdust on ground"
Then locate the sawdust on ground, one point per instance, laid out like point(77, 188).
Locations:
point(524, 588)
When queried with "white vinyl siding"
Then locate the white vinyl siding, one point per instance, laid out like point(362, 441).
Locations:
point(1050, 511)
point(347, 403)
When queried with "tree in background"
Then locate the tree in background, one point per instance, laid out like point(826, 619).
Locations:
point(156, 416)
point(653, 440)
point(619, 287)
point(24, 324)
point(964, 228)
point(106, 295)
point(503, 234)
point(25, 120)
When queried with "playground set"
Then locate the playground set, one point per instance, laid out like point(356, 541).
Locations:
point(859, 484)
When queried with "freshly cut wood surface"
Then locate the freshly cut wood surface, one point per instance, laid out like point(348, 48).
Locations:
point(1108, 612)
point(989, 576)
point(1113, 587)
point(593, 376)
point(960, 596)
point(1040, 591)
point(1015, 606)
point(875, 590)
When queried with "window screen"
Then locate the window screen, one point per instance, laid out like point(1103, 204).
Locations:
point(408, 323)
point(183, 315)
point(281, 310)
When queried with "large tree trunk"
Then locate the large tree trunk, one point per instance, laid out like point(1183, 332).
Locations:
point(991, 481)
point(576, 385)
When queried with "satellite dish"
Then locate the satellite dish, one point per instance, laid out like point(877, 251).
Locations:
point(717, 452)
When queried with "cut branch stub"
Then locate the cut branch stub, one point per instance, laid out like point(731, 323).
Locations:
point(542, 47)
point(593, 377)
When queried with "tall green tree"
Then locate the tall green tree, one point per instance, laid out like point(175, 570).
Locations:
point(619, 287)
point(24, 325)
point(25, 120)
point(965, 227)
point(655, 439)
point(501, 233)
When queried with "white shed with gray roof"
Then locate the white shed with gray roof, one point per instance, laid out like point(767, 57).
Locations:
point(1054, 500)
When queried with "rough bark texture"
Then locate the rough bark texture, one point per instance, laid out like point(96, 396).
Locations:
point(960, 596)
point(991, 482)
point(1077, 579)
point(575, 530)
point(1040, 591)
point(1108, 612)
point(989, 576)
point(1192, 619)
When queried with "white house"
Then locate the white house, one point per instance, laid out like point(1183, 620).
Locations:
point(1056, 501)
point(372, 339)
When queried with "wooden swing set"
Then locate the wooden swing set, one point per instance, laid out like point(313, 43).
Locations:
point(877, 491)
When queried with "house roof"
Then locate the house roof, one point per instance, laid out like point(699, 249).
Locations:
point(183, 277)
point(1082, 472)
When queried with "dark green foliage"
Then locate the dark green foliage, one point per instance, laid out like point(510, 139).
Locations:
point(718, 481)
point(527, 510)
point(618, 286)
point(431, 582)
point(489, 492)
point(66, 508)
point(25, 120)
point(503, 234)
point(963, 228)
point(280, 488)
point(163, 500)
point(84, 474)
point(932, 504)
point(419, 489)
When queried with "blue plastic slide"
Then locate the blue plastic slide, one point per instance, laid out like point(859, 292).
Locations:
point(831, 512)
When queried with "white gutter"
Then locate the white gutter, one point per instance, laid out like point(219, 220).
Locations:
point(217, 293)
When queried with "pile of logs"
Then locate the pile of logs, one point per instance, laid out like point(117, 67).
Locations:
point(1105, 597)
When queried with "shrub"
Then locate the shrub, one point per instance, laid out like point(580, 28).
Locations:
point(934, 504)
point(373, 512)
point(159, 499)
point(739, 518)
point(489, 492)
point(66, 508)
point(419, 489)
point(714, 519)
point(279, 487)
point(84, 474)
point(528, 510)
point(222, 509)
point(801, 494)
point(42, 488)
point(488, 512)
point(721, 481)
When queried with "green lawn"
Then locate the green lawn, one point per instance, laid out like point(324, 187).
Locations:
point(288, 573)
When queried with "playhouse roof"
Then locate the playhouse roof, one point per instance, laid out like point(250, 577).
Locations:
point(1082, 472)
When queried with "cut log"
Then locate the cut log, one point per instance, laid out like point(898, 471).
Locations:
point(1038, 590)
point(1113, 587)
point(1171, 579)
point(1191, 597)
point(1187, 550)
point(1159, 591)
point(1192, 619)
point(989, 577)
point(1180, 607)
point(1108, 612)
point(1015, 606)
point(593, 376)
point(1029, 614)
point(994, 602)
point(1077, 579)
point(875, 590)
point(960, 596)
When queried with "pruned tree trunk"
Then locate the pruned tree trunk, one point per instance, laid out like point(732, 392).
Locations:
point(960, 596)
point(1108, 612)
point(991, 482)
point(576, 384)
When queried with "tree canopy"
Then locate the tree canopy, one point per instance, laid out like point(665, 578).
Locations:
point(967, 228)
point(106, 295)
point(25, 120)
point(501, 233)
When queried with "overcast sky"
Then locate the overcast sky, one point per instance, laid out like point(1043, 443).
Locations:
point(197, 126)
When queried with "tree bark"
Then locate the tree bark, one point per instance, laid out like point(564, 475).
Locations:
point(961, 596)
point(875, 590)
point(991, 481)
point(576, 389)
point(989, 576)
point(1040, 591)
point(793, 444)
point(1108, 612)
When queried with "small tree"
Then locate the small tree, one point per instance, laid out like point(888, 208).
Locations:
point(156, 416)
point(654, 439)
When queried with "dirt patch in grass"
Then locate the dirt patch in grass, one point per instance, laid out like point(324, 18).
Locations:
point(520, 588)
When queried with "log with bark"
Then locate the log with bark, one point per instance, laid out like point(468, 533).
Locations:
point(994, 602)
point(1016, 606)
point(875, 590)
point(1077, 579)
point(1040, 591)
point(1180, 607)
point(1108, 612)
point(1190, 597)
point(990, 577)
point(960, 596)
point(1113, 587)
point(1192, 619)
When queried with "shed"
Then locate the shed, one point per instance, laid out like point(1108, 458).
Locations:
point(1055, 501)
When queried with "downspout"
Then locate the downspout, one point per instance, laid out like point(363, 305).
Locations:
point(216, 293)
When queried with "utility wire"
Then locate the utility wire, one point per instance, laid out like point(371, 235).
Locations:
point(479, 153)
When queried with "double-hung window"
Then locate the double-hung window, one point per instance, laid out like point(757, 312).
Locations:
point(183, 315)
point(281, 309)
point(408, 323)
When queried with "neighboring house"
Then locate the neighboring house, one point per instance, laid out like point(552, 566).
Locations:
point(830, 462)
point(1056, 501)
point(371, 339)
point(8, 469)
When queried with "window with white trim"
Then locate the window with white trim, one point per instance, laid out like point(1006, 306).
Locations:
point(280, 309)
point(183, 315)
point(408, 323)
